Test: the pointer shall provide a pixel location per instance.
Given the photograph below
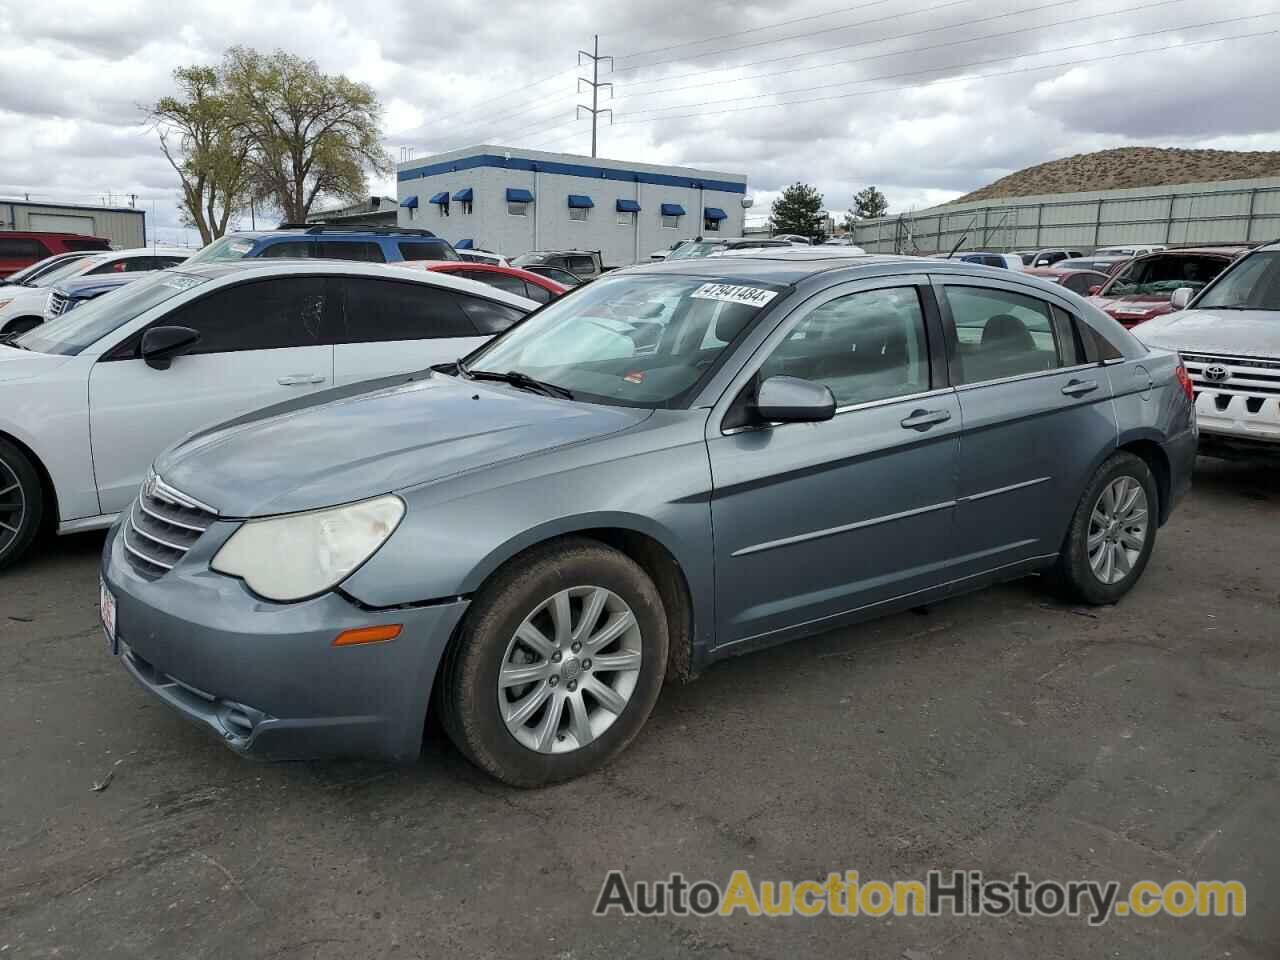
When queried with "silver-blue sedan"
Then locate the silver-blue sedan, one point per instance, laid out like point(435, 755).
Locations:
point(666, 467)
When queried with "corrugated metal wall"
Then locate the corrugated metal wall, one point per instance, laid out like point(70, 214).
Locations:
point(124, 227)
point(1239, 211)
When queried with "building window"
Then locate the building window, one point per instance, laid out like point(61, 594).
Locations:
point(626, 219)
point(517, 209)
point(466, 208)
point(444, 209)
point(579, 213)
point(671, 222)
point(710, 226)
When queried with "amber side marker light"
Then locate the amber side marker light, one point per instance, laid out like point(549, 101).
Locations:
point(351, 638)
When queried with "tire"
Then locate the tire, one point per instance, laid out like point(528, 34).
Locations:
point(569, 731)
point(21, 503)
point(1102, 523)
point(21, 325)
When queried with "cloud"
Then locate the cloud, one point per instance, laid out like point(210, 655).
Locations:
point(926, 100)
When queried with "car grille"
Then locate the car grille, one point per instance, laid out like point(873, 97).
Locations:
point(163, 525)
point(57, 305)
point(1228, 377)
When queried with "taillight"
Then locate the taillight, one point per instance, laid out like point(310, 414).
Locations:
point(1188, 387)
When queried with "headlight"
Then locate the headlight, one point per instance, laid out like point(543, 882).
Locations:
point(303, 554)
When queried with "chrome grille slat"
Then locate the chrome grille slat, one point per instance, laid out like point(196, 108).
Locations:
point(164, 524)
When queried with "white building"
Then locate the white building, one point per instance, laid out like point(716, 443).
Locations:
point(125, 227)
point(513, 201)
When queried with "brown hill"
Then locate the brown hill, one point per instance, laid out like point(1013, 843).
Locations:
point(1131, 167)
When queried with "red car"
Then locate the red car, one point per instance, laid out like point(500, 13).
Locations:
point(20, 248)
point(511, 279)
point(1077, 281)
point(1142, 290)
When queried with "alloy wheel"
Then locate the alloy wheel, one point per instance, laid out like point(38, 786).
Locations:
point(570, 669)
point(1118, 529)
point(13, 506)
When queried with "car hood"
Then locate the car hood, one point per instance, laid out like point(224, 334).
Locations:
point(18, 364)
point(371, 443)
point(1250, 333)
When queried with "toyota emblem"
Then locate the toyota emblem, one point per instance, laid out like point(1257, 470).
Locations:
point(1217, 373)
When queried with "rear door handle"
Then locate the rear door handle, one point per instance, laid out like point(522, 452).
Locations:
point(1078, 388)
point(297, 379)
point(924, 419)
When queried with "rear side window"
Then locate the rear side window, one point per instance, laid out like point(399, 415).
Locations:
point(424, 251)
point(535, 292)
point(86, 243)
point(581, 264)
point(490, 317)
point(1002, 334)
point(360, 251)
point(22, 247)
point(500, 280)
point(378, 311)
point(262, 315)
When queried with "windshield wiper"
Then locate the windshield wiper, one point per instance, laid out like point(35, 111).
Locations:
point(518, 379)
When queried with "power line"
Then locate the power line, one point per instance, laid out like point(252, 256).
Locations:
point(892, 53)
point(739, 33)
point(502, 96)
point(962, 66)
point(942, 80)
point(797, 36)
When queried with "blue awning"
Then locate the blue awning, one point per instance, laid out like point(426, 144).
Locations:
point(466, 244)
point(441, 197)
point(580, 201)
point(714, 213)
point(519, 195)
point(463, 196)
point(628, 206)
point(410, 203)
point(672, 210)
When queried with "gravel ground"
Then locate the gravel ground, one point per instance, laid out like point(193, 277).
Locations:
point(999, 732)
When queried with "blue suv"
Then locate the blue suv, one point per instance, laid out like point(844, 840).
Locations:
point(320, 241)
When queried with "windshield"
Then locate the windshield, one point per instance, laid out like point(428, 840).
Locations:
point(224, 248)
point(531, 259)
point(643, 341)
point(1157, 277)
point(1253, 284)
point(72, 268)
point(697, 248)
point(72, 332)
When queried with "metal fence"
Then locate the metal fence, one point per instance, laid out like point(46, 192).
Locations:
point(1241, 212)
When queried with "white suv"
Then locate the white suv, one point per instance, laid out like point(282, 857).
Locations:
point(1229, 338)
point(88, 399)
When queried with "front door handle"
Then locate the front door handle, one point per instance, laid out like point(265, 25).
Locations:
point(297, 379)
point(924, 419)
point(1078, 388)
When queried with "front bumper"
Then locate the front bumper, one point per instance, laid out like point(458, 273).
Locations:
point(265, 677)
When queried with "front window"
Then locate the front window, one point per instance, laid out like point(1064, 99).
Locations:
point(72, 268)
point(711, 226)
point(1158, 277)
point(71, 333)
point(695, 249)
point(1253, 284)
point(224, 248)
point(643, 341)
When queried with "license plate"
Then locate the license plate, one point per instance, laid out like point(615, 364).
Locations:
point(107, 612)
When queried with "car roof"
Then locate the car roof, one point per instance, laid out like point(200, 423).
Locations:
point(1223, 251)
point(1060, 271)
point(156, 251)
point(783, 265)
point(257, 268)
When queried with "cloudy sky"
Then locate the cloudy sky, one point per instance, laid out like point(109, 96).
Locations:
point(927, 100)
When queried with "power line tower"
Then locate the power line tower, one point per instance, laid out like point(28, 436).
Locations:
point(595, 84)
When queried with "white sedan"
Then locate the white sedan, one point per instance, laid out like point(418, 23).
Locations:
point(22, 307)
point(89, 399)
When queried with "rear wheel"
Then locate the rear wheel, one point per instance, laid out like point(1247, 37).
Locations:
point(21, 503)
point(1112, 533)
point(558, 666)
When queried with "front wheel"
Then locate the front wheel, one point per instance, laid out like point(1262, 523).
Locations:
point(1112, 533)
point(21, 326)
point(558, 665)
point(21, 503)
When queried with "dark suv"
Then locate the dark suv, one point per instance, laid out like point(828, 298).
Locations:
point(321, 242)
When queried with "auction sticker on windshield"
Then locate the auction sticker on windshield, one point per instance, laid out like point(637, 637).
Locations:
point(734, 293)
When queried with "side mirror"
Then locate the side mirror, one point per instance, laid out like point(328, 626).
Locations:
point(161, 344)
point(792, 400)
point(1181, 297)
point(1095, 289)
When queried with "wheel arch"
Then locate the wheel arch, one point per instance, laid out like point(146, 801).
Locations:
point(15, 322)
point(51, 513)
point(1147, 447)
